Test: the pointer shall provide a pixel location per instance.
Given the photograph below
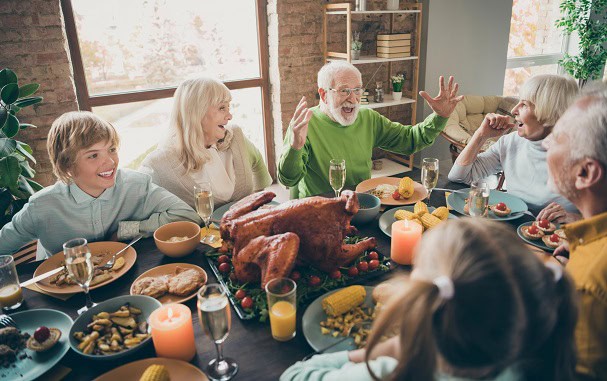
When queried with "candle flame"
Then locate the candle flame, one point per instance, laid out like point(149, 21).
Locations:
point(170, 314)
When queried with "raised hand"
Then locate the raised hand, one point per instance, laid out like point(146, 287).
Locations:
point(556, 213)
point(494, 125)
point(444, 103)
point(299, 124)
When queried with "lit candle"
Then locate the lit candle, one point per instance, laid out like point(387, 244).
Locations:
point(173, 332)
point(405, 235)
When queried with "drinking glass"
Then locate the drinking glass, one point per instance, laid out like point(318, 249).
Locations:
point(11, 296)
point(479, 198)
point(215, 319)
point(429, 174)
point(79, 266)
point(282, 304)
point(337, 175)
point(204, 207)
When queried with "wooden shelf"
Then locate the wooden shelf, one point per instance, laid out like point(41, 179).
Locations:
point(372, 12)
point(331, 56)
point(388, 102)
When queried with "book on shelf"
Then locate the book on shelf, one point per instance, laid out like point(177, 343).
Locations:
point(393, 55)
point(396, 36)
point(398, 49)
point(394, 43)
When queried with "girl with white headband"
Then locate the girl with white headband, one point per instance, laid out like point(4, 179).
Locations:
point(477, 306)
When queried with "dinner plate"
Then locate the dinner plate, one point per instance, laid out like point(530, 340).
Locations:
point(219, 212)
point(178, 370)
point(387, 218)
point(169, 269)
point(37, 363)
point(419, 192)
point(538, 243)
point(517, 206)
point(314, 314)
point(107, 247)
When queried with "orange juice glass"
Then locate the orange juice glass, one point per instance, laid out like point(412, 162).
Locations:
point(282, 307)
point(11, 296)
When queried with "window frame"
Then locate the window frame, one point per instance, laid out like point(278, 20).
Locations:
point(87, 101)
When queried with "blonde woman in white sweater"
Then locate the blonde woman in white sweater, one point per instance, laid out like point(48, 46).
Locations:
point(200, 147)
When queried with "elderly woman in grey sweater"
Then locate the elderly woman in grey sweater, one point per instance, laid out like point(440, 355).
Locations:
point(544, 98)
point(201, 148)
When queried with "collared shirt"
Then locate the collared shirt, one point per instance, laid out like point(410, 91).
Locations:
point(588, 267)
point(61, 212)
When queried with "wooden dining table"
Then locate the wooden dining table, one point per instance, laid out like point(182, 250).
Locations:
point(250, 342)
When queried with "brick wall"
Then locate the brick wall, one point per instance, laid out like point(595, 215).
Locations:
point(34, 45)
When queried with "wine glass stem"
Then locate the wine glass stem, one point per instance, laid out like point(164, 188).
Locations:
point(429, 194)
point(219, 347)
point(89, 301)
point(206, 228)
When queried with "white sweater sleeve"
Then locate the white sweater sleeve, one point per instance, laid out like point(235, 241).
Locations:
point(487, 163)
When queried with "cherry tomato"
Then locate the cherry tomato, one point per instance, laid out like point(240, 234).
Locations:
point(396, 195)
point(500, 206)
point(373, 255)
point(373, 264)
point(41, 334)
point(295, 275)
point(544, 223)
point(314, 281)
point(353, 271)
point(335, 274)
point(223, 259)
point(224, 268)
point(247, 302)
point(363, 266)
point(533, 229)
point(240, 294)
point(554, 238)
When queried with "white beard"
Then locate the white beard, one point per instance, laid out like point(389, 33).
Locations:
point(337, 115)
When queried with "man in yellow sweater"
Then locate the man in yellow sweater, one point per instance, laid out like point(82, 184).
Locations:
point(577, 162)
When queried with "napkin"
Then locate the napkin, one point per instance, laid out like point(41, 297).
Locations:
point(35, 288)
point(213, 231)
point(57, 373)
point(447, 200)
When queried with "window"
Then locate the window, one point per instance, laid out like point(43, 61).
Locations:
point(130, 56)
point(535, 45)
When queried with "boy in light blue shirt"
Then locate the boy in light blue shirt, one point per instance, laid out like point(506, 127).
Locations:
point(93, 198)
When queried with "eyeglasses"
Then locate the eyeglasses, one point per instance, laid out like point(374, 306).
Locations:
point(347, 92)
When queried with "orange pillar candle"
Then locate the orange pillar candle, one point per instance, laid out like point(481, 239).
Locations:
point(173, 332)
point(405, 235)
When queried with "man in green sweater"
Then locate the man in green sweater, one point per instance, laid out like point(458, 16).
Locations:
point(339, 129)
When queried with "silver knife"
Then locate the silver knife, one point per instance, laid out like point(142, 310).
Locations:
point(41, 277)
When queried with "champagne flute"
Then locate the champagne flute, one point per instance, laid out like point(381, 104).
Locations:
point(79, 266)
point(479, 198)
point(204, 207)
point(215, 318)
point(429, 174)
point(337, 175)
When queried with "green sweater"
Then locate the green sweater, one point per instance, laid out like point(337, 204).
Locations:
point(308, 167)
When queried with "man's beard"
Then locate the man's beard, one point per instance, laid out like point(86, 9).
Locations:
point(337, 115)
point(561, 183)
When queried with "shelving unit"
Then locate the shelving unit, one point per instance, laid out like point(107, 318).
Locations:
point(409, 96)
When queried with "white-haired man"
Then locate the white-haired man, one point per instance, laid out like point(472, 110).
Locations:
point(339, 129)
point(577, 164)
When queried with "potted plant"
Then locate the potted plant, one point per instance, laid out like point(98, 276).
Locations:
point(587, 19)
point(16, 175)
point(356, 46)
point(397, 86)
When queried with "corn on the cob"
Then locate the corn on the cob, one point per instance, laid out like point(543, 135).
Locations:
point(344, 300)
point(429, 221)
point(442, 213)
point(405, 187)
point(155, 373)
point(404, 215)
point(420, 208)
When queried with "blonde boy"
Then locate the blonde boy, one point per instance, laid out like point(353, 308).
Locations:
point(94, 199)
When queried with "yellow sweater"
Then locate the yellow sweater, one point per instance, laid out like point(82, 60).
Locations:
point(588, 267)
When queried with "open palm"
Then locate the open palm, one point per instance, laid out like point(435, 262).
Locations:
point(446, 100)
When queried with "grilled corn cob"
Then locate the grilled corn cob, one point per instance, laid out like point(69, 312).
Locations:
point(344, 300)
point(442, 213)
point(404, 215)
point(405, 187)
point(155, 373)
point(420, 208)
point(429, 221)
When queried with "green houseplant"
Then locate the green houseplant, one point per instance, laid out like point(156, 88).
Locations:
point(356, 46)
point(16, 174)
point(587, 18)
point(397, 86)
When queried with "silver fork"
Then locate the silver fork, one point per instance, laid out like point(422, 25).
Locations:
point(109, 264)
point(7, 321)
